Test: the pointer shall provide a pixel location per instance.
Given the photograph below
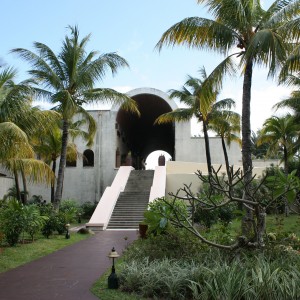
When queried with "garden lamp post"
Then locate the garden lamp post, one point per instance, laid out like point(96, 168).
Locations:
point(67, 231)
point(113, 281)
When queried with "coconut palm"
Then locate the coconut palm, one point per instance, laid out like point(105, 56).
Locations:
point(19, 120)
point(226, 124)
point(68, 79)
point(47, 146)
point(261, 37)
point(200, 102)
point(280, 133)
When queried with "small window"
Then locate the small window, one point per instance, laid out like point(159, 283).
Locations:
point(88, 158)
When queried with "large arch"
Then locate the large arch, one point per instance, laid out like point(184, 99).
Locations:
point(138, 135)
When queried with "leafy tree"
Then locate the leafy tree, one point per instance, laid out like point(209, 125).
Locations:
point(68, 79)
point(201, 102)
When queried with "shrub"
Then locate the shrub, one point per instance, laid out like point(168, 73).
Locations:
point(87, 209)
point(160, 212)
point(12, 221)
point(33, 221)
point(68, 211)
point(175, 243)
point(51, 222)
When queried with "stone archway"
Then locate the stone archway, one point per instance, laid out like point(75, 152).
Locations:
point(139, 136)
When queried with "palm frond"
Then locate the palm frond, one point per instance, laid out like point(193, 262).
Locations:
point(196, 32)
point(177, 115)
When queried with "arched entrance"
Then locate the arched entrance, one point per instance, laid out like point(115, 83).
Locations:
point(138, 136)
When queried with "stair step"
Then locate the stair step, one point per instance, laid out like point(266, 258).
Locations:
point(133, 201)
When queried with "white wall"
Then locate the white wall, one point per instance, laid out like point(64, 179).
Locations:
point(192, 149)
point(5, 184)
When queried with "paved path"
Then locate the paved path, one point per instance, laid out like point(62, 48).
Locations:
point(66, 274)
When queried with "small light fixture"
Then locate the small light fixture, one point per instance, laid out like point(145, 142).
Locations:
point(67, 231)
point(113, 280)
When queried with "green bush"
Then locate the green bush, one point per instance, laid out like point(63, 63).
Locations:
point(87, 209)
point(175, 243)
point(50, 224)
point(68, 211)
point(33, 221)
point(12, 221)
point(161, 212)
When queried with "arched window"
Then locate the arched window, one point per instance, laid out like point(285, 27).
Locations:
point(88, 158)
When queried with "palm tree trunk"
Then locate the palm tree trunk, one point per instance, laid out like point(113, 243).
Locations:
point(53, 181)
point(207, 148)
point(25, 192)
point(285, 158)
point(17, 185)
point(225, 157)
point(62, 165)
point(286, 171)
point(246, 124)
point(247, 221)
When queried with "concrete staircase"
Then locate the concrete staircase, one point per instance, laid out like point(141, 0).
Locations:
point(131, 204)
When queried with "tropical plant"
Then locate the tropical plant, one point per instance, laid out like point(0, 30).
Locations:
point(201, 102)
point(281, 134)
point(261, 150)
point(32, 220)
point(18, 122)
point(159, 214)
point(68, 80)
point(48, 147)
point(226, 124)
point(12, 221)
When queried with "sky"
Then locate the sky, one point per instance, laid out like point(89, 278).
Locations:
point(131, 28)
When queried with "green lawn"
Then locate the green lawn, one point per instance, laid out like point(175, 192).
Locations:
point(12, 257)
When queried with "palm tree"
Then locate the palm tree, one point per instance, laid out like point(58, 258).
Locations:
point(47, 146)
point(226, 124)
point(19, 120)
point(200, 102)
point(68, 80)
point(260, 36)
point(280, 133)
point(261, 150)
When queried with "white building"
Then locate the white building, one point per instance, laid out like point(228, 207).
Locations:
point(119, 133)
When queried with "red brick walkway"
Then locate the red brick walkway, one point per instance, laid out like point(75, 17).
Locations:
point(67, 274)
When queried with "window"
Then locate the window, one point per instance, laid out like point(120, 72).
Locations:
point(88, 158)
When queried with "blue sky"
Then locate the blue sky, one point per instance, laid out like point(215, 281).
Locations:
point(131, 28)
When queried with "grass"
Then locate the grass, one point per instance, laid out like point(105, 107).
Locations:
point(288, 224)
point(12, 257)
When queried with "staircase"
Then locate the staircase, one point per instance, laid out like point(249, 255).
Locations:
point(131, 204)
